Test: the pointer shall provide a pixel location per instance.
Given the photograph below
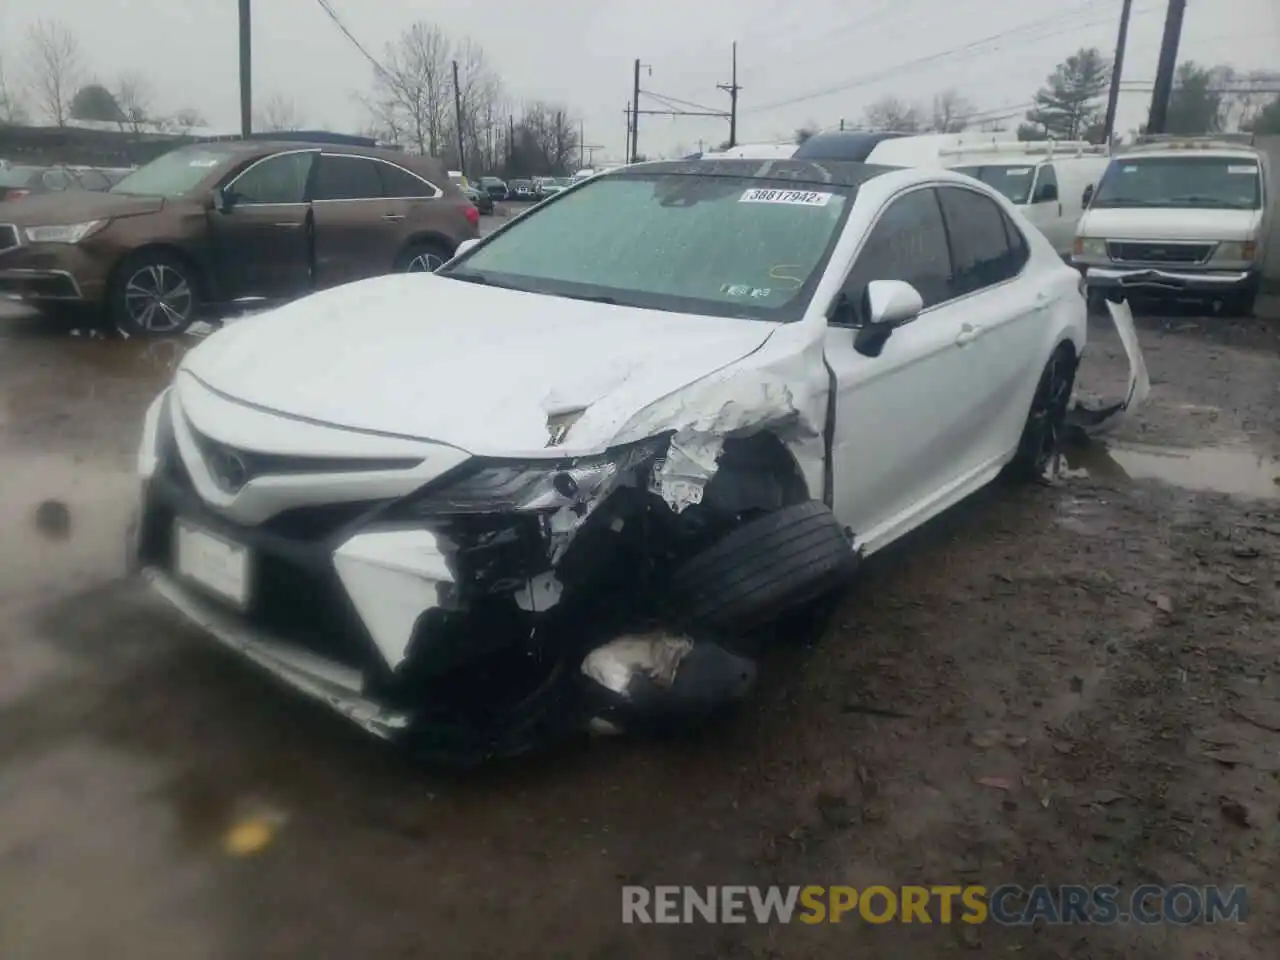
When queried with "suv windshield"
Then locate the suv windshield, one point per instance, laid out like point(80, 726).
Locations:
point(1013, 181)
point(174, 174)
point(1226, 183)
point(725, 246)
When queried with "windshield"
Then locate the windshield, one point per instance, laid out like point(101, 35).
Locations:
point(174, 174)
point(1013, 182)
point(725, 246)
point(1224, 183)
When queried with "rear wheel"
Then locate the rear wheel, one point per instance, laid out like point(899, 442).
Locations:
point(426, 257)
point(154, 294)
point(1042, 433)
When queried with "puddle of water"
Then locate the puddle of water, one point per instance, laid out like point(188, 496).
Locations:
point(1232, 470)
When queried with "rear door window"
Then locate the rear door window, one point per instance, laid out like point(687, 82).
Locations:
point(980, 248)
point(346, 178)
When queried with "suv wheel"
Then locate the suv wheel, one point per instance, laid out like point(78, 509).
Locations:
point(423, 258)
point(154, 294)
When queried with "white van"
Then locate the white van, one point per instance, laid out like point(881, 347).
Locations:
point(1049, 180)
point(1179, 218)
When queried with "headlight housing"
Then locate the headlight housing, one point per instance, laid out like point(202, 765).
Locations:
point(64, 232)
point(533, 485)
point(1236, 250)
point(1092, 247)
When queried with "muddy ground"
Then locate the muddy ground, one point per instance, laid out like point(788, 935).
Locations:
point(1101, 651)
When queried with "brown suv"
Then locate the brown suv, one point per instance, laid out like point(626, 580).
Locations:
point(213, 223)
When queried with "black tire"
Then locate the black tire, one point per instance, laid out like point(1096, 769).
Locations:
point(153, 294)
point(764, 568)
point(1046, 419)
point(1240, 305)
point(425, 256)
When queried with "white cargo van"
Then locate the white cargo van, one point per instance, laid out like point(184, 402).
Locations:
point(1179, 218)
point(1049, 180)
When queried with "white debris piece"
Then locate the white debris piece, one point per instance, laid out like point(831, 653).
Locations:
point(1094, 421)
point(657, 655)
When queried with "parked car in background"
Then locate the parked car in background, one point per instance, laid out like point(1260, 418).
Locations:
point(1180, 218)
point(495, 187)
point(482, 201)
point(18, 182)
point(553, 185)
point(228, 221)
point(523, 190)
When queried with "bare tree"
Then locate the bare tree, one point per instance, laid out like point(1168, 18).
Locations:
point(278, 114)
point(891, 113)
point(54, 68)
point(11, 109)
point(133, 94)
point(804, 133)
point(478, 88)
point(546, 141)
point(951, 110)
point(186, 120)
point(413, 93)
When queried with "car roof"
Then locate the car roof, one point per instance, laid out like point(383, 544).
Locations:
point(839, 173)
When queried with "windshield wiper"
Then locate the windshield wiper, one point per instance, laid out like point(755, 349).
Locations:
point(589, 298)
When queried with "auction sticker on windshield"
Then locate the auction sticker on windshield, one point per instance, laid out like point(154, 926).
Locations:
point(803, 198)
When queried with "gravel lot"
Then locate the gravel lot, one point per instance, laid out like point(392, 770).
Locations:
point(1101, 651)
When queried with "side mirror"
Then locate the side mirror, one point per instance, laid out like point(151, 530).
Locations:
point(1086, 196)
point(221, 199)
point(888, 304)
point(1046, 193)
point(464, 246)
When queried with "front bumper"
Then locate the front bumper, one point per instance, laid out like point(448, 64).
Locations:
point(1154, 281)
point(54, 273)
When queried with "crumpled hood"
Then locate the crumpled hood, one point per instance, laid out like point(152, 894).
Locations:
point(480, 368)
point(75, 206)
point(1140, 223)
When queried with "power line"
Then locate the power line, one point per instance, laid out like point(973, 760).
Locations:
point(877, 75)
point(337, 20)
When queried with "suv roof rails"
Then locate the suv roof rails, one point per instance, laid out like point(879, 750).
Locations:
point(1048, 148)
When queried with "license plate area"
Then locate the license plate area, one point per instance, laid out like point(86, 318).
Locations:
point(215, 564)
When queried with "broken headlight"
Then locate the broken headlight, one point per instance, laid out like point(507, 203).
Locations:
point(534, 485)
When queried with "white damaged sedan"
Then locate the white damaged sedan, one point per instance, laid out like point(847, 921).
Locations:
point(556, 481)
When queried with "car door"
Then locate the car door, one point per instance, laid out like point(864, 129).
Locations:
point(356, 228)
point(903, 430)
point(261, 238)
point(1045, 209)
point(990, 255)
point(412, 205)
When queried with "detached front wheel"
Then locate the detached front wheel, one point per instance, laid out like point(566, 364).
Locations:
point(154, 294)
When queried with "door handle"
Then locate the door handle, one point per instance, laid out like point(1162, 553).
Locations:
point(394, 217)
point(289, 226)
point(968, 333)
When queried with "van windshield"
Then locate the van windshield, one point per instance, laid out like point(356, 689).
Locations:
point(1013, 181)
point(1223, 183)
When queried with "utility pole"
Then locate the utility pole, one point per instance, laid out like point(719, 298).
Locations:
point(457, 112)
point(511, 144)
point(582, 145)
point(246, 71)
point(635, 116)
point(1168, 64)
point(1117, 69)
point(732, 89)
point(626, 143)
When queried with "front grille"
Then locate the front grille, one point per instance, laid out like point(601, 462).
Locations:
point(1160, 252)
point(8, 236)
point(271, 464)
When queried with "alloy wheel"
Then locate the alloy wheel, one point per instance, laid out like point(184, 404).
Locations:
point(159, 299)
point(426, 263)
point(1049, 410)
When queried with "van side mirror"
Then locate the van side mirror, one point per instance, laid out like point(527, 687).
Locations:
point(1046, 193)
point(1086, 196)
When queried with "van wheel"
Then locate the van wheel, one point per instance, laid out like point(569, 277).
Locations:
point(1239, 304)
point(154, 294)
point(424, 257)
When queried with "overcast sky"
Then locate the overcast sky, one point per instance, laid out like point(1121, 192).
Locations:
point(800, 62)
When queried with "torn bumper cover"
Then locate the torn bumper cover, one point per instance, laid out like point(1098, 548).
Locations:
point(1190, 283)
point(1094, 416)
point(493, 607)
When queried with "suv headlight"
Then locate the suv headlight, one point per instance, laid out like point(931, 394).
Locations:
point(64, 232)
point(1091, 247)
point(533, 485)
point(1236, 250)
